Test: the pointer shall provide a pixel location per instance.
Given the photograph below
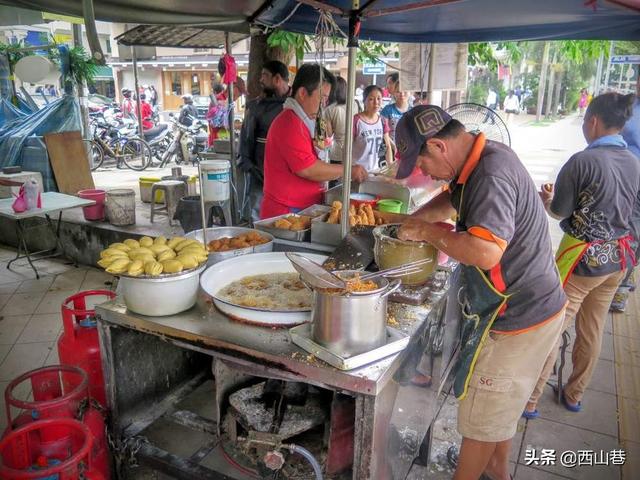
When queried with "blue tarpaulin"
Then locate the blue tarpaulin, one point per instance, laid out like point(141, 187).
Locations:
point(437, 21)
point(62, 115)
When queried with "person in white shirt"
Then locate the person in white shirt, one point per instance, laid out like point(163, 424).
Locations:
point(492, 99)
point(511, 105)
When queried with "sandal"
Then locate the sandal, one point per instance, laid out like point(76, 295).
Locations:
point(530, 415)
point(572, 407)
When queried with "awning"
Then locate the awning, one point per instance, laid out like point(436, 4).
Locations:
point(385, 20)
point(103, 73)
point(187, 36)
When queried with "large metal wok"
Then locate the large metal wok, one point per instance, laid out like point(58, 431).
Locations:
point(223, 273)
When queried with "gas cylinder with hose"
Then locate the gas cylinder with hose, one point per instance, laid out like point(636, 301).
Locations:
point(24, 455)
point(59, 392)
point(79, 345)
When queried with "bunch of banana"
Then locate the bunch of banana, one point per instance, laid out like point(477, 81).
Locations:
point(152, 257)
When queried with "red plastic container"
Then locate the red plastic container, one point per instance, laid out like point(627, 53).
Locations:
point(94, 212)
point(79, 345)
point(26, 455)
point(357, 199)
point(59, 391)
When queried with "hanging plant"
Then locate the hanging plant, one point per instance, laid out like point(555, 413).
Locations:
point(82, 67)
point(13, 52)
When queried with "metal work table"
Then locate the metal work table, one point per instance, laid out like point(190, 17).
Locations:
point(51, 202)
point(148, 361)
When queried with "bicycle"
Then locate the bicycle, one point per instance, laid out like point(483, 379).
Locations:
point(133, 151)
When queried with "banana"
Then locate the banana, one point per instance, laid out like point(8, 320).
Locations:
point(119, 265)
point(187, 261)
point(171, 266)
point(184, 244)
point(111, 252)
point(175, 241)
point(136, 268)
point(166, 255)
point(146, 242)
point(161, 240)
point(120, 246)
point(131, 243)
point(158, 249)
point(153, 268)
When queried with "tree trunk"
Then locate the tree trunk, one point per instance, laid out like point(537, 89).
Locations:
point(259, 53)
point(552, 76)
point(543, 80)
point(556, 94)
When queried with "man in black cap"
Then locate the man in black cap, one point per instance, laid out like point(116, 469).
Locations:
point(513, 300)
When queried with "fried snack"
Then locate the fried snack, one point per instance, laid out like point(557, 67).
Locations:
point(136, 268)
point(119, 265)
point(143, 257)
point(143, 250)
point(158, 249)
point(370, 216)
point(352, 220)
point(357, 285)
point(131, 243)
point(106, 261)
point(175, 241)
point(187, 261)
point(185, 244)
point(166, 255)
point(161, 240)
point(153, 268)
point(352, 209)
point(172, 266)
point(282, 223)
point(146, 242)
point(232, 243)
point(337, 204)
point(334, 216)
point(120, 246)
point(112, 252)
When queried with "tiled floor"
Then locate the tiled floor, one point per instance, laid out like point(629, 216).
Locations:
point(30, 324)
point(30, 319)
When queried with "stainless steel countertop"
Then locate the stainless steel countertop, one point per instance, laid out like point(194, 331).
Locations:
point(204, 328)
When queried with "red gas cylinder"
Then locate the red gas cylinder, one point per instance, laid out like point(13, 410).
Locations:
point(25, 454)
point(59, 391)
point(78, 345)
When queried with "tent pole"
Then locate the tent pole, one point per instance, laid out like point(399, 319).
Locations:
point(354, 31)
point(134, 60)
point(232, 134)
point(605, 87)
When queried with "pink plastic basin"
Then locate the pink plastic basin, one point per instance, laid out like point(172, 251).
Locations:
point(94, 212)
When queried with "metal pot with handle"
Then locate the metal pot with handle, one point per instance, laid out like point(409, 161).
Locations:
point(352, 323)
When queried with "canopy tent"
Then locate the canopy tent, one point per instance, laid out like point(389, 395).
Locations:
point(414, 21)
point(438, 21)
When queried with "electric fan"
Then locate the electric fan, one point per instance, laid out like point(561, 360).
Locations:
point(478, 118)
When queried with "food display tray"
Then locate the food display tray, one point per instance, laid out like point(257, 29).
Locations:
point(266, 225)
point(323, 232)
point(301, 336)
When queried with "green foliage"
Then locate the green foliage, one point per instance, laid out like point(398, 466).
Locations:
point(484, 53)
point(578, 52)
point(82, 67)
point(289, 41)
point(12, 50)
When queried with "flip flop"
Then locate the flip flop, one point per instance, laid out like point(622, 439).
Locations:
point(572, 407)
point(530, 415)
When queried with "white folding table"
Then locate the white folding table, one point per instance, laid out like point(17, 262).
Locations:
point(51, 202)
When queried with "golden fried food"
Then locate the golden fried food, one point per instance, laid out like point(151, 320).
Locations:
point(175, 241)
point(166, 255)
point(363, 215)
point(233, 243)
point(136, 268)
point(172, 266)
point(355, 284)
point(120, 246)
point(293, 222)
point(337, 204)
point(119, 265)
point(131, 243)
point(161, 240)
point(112, 252)
point(282, 223)
point(146, 242)
point(187, 261)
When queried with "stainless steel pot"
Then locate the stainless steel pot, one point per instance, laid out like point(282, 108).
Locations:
point(163, 295)
point(350, 324)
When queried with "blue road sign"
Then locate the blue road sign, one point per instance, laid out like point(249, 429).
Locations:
point(625, 59)
point(374, 69)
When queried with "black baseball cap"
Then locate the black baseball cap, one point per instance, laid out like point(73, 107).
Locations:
point(414, 128)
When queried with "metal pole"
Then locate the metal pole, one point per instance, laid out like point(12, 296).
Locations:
point(232, 144)
point(202, 205)
point(432, 72)
point(76, 34)
point(598, 82)
point(134, 59)
point(606, 75)
point(348, 145)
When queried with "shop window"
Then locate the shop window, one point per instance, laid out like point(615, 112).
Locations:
point(195, 84)
point(176, 83)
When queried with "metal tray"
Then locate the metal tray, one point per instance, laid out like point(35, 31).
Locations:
point(396, 342)
point(326, 233)
point(216, 233)
point(266, 225)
